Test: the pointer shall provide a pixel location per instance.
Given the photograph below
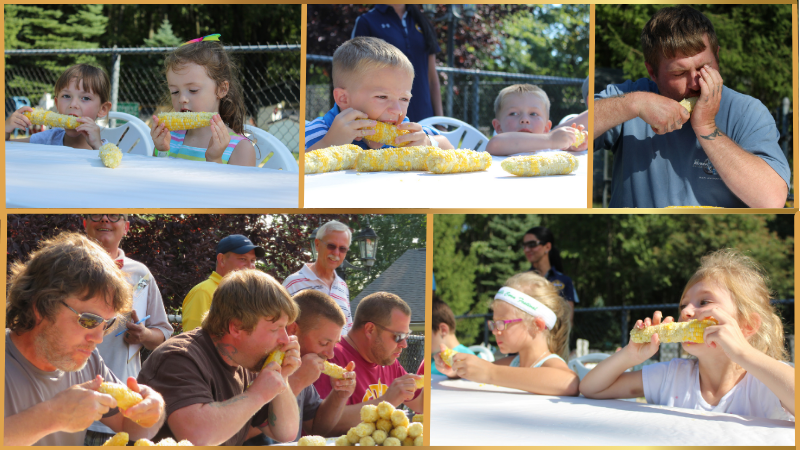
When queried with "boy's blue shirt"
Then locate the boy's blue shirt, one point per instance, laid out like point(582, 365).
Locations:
point(318, 128)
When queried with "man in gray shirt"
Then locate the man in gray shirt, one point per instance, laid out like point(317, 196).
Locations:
point(60, 305)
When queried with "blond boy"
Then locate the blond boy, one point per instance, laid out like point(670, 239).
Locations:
point(522, 122)
point(371, 80)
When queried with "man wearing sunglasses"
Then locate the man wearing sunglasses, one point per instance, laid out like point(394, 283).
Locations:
point(332, 243)
point(235, 252)
point(120, 352)
point(60, 306)
point(376, 340)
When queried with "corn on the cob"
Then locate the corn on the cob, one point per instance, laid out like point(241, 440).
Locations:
point(118, 440)
point(549, 163)
point(331, 159)
point(369, 413)
point(365, 429)
point(167, 442)
point(419, 382)
point(111, 155)
point(52, 119)
point(408, 442)
point(276, 356)
point(125, 397)
point(414, 430)
point(386, 133)
point(418, 441)
point(418, 418)
point(579, 139)
point(366, 441)
point(144, 443)
point(399, 418)
point(185, 120)
point(384, 424)
point(392, 442)
point(334, 371)
point(342, 441)
point(385, 410)
point(379, 436)
point(447, 356)
point(456, 161)
point(689, 103)
point(311, 441)
point(691, 331)
point(399, 431)
point(394, 159)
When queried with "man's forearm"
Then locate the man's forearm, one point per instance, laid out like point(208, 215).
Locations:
point(214, 423)
point(153, 338)
point(283, 417)
point(328, 415)
point(749, 177)
point(612, 111)
point(29, 426)
point(137, 432)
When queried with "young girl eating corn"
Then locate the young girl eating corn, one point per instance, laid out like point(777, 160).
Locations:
point(739, 367)
point(530, 318)
point(202, 78)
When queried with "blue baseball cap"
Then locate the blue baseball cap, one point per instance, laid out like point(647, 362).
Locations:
point(240, 245)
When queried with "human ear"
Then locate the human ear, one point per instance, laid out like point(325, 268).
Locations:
point(292, 328)
point(548, 126)
point(222, 89)
point(104, 109)
point(341, 97)
point(650, 71)
point(496, 125)
point(752, 326)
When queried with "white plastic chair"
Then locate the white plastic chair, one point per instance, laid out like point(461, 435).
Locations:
point(482, 352)
point(463, 136)
point(568, 117)
point(132, 137)
point(267, 144)
point(578, 365)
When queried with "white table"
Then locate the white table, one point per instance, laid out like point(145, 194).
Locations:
point(492, 188)
point(44, 176)
point(467, 413)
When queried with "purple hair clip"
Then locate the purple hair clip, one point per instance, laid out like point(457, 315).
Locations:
point(210, 37)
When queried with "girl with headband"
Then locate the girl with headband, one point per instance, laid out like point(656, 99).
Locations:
point(531, 319)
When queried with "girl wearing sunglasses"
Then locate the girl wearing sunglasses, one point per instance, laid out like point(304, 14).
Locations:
point(532, 320)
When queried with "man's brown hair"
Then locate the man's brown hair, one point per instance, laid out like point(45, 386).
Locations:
point(677, 29)
point(69, 265)
point(442, 314)
point(95, 80)
point(377, 308)
point(315, 305)
point(247, 296)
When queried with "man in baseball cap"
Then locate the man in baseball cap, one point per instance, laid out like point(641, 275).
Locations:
point(234, 252)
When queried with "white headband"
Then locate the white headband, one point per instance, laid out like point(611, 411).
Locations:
point(528, 304)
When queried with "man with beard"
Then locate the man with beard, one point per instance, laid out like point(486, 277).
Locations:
point(378, 336)
point(332, 243)
point(213, 379)
point(61, 304)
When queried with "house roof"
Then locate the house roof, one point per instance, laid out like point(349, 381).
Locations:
point(405, 278)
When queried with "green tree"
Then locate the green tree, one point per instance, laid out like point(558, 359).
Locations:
point(163, 37)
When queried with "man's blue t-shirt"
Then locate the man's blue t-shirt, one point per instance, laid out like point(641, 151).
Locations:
point(318, 128)
point(656, 171)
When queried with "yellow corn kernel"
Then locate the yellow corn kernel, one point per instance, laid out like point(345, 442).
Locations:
point(366, 441)
point(456, 161)
point(385, 410)
point(312, 441)
point(333, 370)
point(384, 424)
point(419, 417)
point(52, 119)
point(185, 120)
point(548, 163)
point(386, 133)
point(379, 436)
point(111, 155)
point(394, 159)
point(369, 413)
point(689, 103)
point(144, 443)
point(342, 441)
point(117, 440)
point(447, 356)
point(365, 429)
point(415, 429)
point(352, 436)
point(399, 418)
point(691, 331)
point(392, 442)
point(276, 356)
point(419, 382)
point(579, 139)
point(125, 397)
point(400, 432)
point(331, 159)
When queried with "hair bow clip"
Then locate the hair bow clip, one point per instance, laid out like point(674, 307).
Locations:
point(210, 37)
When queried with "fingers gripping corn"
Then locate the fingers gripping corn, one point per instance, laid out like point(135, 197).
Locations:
point(275, 356)
point(331, 159)
point(457, 161)
point(691, 331)
point(394, 159)
point(335, 371)
point(111, 155)
point(549, 163)
point(579, 139)
point(447, 356)
point(386, 133)
point(420, 383)
point(52, 119)
point(125, 397)
point(117, 440)
point(689, 103)
point(419, 417)
point(308, 441)
point(185, 120)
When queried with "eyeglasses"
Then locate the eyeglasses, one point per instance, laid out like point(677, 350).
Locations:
point(91, 321)
point(397, 336)
point(530, 245)
point(500, 325)
point(332, 247)
point(111, 217)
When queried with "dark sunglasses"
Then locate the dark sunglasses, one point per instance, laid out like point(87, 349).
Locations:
point(91, 321)
point(531, 244)
point(332, 247)
point(111, 217)
point(397, 336)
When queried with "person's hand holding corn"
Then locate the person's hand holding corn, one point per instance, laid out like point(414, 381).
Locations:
point(150, 411)
point(220, 138)
point(347, 127)
point(291, 358)
point(160, 135)
point(90, 131)
point(472, 368)
point(18, 120)
point(402, 389)
point(705, 110)
point(728, 335)
point(345, 386)
point(641, 352)
point(663, 114)
point(441, 363)
point(582, 142)
point(76, 408)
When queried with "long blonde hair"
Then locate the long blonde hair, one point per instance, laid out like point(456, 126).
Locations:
point(746, 281)
point(539, 288)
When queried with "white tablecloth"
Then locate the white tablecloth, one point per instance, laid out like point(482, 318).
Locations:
point(467, 413)
point(492, 188)
point(43, 176)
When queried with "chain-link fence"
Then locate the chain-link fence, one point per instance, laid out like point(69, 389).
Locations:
point(467, 95)
point(270, 78)
point(412, 356)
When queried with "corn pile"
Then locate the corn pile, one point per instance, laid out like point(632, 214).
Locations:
point(122, 438)
point(311, 441)
point(185, 120)
point(447, 356)
point(456, 161)
point(689, 103)
point(691, 331)
point(393, 159)
point(548, 163)
point(333, 371)
point(52, 119)
point(111, 155)
point(386, 133)
point(125, 397)
point(118, 440)
point(331, 159)
point(383, 425)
